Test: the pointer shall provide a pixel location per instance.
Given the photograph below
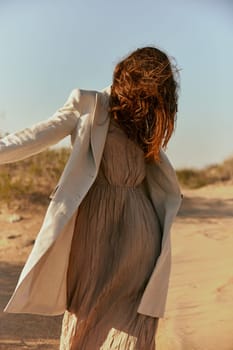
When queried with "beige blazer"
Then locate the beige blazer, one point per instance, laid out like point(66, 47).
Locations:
point(41, 288)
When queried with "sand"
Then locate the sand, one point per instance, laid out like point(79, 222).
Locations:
point(199, 312)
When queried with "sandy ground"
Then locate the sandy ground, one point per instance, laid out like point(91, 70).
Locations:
point(199, 313)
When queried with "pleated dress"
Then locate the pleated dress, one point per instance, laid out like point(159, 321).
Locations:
point(116, 242)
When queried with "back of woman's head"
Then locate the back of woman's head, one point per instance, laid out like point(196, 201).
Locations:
point(144, 98)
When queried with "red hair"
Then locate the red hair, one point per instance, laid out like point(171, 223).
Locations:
point(144, 99)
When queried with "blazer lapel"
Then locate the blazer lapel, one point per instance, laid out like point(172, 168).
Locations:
point(99, 126)
point(164, 191)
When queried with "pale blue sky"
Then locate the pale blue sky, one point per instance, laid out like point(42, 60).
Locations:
point(47, 48)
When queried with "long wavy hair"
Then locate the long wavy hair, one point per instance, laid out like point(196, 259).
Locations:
point(144, 99)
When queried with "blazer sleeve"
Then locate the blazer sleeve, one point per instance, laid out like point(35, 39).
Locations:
point(30, 141)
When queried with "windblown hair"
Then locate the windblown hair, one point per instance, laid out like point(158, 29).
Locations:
point(144, 99)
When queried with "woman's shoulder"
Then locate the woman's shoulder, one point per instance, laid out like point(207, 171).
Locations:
point(80, 91)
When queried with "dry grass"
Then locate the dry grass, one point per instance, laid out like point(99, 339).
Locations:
point(193, 178)
point(33, 179)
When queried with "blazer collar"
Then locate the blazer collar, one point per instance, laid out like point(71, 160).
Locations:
point(107, 90)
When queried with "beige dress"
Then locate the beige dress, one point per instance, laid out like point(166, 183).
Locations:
point(115, 246)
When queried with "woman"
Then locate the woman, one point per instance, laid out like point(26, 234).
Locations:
point(103, 252)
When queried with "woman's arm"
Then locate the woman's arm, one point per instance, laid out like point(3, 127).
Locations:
point(33, 140)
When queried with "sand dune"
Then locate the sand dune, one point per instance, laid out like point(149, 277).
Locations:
point(200, 302)
point(199, 312)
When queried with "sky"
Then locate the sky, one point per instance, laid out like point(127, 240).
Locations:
point(49, 47)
